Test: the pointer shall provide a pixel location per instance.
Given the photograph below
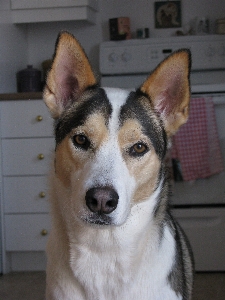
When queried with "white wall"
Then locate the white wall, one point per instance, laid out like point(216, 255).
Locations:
point(13, 49)
point(13, 55)
point(40, 39)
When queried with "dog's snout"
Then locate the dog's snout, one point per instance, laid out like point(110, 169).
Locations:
point(102, 200)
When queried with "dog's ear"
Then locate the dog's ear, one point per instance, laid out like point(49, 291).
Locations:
point(168, 88)
point(69, 75)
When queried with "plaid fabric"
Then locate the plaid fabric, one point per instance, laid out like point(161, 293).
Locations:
point(196, 145)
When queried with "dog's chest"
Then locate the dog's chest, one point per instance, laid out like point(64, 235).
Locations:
point(102, 270)
point(109, 272)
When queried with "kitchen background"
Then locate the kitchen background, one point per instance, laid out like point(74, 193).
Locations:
point(31, 44)
point(21, 45)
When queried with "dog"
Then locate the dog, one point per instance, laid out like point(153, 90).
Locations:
point(112, 235)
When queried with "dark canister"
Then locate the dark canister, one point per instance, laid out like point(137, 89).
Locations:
point(29, 80)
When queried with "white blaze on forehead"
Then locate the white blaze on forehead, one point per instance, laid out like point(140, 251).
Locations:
point(117, 98)
point(109, 168)
point(109, 154)
point(109, 163)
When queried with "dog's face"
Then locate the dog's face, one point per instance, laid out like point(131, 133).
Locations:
point(106, 153)
point(110, 143)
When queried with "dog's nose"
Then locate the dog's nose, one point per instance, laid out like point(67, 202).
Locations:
point(102, 200)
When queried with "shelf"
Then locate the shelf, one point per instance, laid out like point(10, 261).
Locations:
point(21, 96)
point(53, 11)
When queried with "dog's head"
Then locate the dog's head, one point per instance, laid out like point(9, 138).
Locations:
point(110, 143)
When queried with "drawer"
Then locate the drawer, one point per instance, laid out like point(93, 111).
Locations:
point(21, 156)
point(26, 232)
point(27, 118)
point(25, 194)
point(205, 229)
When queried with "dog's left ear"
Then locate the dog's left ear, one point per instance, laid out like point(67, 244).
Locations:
point(69, 75)
point(169, 90)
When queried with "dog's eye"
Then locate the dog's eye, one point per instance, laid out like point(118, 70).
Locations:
point(81, 141)
point(138, 149)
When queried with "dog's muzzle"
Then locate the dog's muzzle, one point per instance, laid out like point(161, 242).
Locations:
point(102, 200)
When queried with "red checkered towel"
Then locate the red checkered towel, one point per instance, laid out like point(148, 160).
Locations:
point(196, 145)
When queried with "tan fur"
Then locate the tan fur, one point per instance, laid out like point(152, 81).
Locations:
point(64, 162)
point(69, 54)
point(145, 169)
point(95, 129)
point(157, 86)
point(67, 160)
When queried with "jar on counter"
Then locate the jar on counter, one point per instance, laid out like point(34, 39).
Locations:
point(29, 80)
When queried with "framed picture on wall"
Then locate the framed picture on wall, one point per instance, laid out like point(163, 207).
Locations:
point(167, 14)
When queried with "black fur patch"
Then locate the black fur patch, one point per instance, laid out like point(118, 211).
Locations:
point(78, 112)
point(152, 125)
point(179, 277)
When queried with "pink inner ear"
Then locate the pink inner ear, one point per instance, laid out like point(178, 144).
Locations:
point(170, 94)
point(67, 85)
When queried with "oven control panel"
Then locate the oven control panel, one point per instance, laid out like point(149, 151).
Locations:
point(142, 56)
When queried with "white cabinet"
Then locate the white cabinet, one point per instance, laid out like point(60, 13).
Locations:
point(28, 194)
point(204, 228)
point(26, 146)
point(26, 156)
point(26, 232)
point(34, 11)
point(30, 118)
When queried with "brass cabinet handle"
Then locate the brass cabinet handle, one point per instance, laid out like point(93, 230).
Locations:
point(41, 156)
point(39, 118)
point(44, 232)
point(42, 194)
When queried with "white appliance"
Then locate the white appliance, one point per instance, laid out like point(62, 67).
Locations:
point(199, 206)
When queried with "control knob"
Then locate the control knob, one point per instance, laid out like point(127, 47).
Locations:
point(113, 57)
point(126, 56)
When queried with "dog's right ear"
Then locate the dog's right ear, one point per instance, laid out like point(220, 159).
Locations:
point(69, 75)
point(168, 87)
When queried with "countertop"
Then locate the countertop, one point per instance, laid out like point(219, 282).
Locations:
point(21, 96)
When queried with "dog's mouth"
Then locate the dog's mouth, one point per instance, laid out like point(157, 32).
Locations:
point(97, 219)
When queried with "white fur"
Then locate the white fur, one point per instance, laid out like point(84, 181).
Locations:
point(124, 261)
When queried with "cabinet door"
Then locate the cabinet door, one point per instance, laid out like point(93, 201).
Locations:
point(205, 229)
point(27, 118)
point(25, 194)
point(27, 156)
point(26, 232)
